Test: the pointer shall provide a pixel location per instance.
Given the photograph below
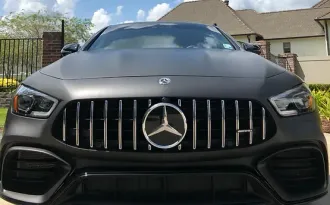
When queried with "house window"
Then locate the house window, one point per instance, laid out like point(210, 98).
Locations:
point(287, 47)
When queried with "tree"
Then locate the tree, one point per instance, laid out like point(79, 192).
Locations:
point(32, 25)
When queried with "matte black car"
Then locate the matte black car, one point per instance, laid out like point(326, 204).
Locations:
point(167, 113)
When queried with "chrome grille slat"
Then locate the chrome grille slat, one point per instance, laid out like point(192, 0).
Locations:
point(91, 118)
point(134, 124)
point(91, 124)
point(209, 131)
point(250, 122)
point(194, 125)
point(223, 124)
point(105, 125)
point(120, 116)
point(237, 122)
point(77, 123)
point(263, 124)
point(64, 126)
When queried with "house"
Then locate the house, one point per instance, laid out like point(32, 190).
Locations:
point(305, 32)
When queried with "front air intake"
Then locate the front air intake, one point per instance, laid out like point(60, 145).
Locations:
point(296, 173)
point(28, 172)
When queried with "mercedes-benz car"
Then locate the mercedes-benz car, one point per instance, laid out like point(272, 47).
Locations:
point(163, 112)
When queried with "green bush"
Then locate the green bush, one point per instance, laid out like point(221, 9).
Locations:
point(322, 98)
point(322, 87)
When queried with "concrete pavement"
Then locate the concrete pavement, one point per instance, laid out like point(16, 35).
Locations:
point(324, 201)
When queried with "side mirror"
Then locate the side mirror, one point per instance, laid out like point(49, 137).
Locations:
point(70, 48)
point(252, 48)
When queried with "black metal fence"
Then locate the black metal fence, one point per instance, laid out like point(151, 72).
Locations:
point(19, 58)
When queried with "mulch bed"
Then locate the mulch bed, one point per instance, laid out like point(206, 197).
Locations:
point(325, 125)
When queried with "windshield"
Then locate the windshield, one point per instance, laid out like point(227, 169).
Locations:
point(138, 36)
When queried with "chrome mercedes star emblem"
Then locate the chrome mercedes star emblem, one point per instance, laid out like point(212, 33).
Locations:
point(164, 135)
point(164, 81)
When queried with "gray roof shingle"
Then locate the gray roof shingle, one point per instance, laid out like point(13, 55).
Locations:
point(285, 24)
point(271, 25)
point(322, 4)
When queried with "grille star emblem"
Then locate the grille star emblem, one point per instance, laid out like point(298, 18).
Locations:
point(164, 135)
point(165, 126)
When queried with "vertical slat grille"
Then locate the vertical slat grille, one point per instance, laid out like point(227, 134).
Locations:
point(194, 125)
point(209, 131)
point(77, 123)
point(120, 113)
point(116, 124)
point(223, 124)
point(250, 123)
point(64, 126)
point(105, 125)
point(237, 122)
point(134, 124)
point(91, 138)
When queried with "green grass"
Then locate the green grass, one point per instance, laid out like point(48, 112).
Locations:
point(3, 114)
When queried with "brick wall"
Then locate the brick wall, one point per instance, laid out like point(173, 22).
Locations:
point(5, 99)
point(52, 46)
point(265, 49)
point(291, 61)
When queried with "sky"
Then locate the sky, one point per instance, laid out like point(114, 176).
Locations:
point(106, 12)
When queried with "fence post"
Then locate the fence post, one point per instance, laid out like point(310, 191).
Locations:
point(265, 49)
point(292, 61)
point(52, 45)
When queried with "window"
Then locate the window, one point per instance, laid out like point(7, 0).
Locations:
point(287, 47)
point(137, 36)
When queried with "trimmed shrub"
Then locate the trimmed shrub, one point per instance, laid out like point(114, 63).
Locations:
point(322, 99)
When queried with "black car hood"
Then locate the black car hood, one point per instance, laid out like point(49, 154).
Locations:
point(161, 62)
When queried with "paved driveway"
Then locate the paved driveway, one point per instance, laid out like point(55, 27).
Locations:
point(324, 201)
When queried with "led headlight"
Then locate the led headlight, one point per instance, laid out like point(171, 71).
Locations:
point(296, 101)
point(31, 103)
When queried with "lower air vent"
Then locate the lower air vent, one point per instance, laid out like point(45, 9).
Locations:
point(296, 173)
point(31, 171)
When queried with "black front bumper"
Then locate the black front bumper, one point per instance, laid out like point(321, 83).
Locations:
point(240, 176)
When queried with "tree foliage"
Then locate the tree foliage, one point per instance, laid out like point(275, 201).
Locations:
point(32, 25)
point(20, 52)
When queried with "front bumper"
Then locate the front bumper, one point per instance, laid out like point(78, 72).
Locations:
point(296, 133)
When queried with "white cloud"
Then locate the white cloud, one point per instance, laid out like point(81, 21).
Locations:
point(189, 0)
point(129, 21)
point(100, 19)
point(65, 7)
point(119, 10)
point(140, 15)
point(271, 5)
point(158, 11)
point(24, 5)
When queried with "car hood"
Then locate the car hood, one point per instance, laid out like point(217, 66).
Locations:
point(161, 62)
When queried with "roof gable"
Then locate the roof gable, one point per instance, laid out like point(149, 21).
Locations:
point(209, 12)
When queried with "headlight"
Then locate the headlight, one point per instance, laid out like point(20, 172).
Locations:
point(31, 103)
point(296, 101)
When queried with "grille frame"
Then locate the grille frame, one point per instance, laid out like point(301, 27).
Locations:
point(265, 116)
point(34, 198)
point(280, 189)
